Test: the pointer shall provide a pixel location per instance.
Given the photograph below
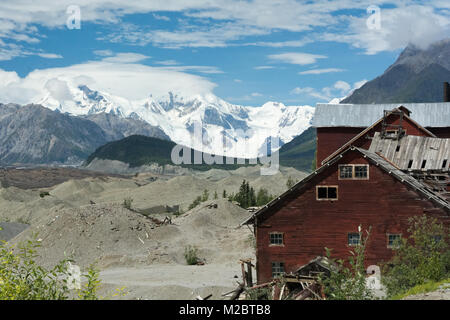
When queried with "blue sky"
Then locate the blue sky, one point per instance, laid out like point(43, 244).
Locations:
point(246, 52)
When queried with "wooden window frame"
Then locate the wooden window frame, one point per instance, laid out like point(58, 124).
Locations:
point(279, 266)
point(390, 246)
point(327, 199)
point(276, 244)
point(354, 171)
point(348, 238)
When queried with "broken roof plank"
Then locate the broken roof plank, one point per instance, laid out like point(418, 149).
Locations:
point(414, 152)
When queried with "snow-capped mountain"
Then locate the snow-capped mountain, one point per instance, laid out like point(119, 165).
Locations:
point(234, 130)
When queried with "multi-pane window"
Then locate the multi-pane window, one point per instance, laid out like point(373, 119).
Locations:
point(276, 238)
point(346, 172)
point(393, 240)
point(361, 172)
point(353, 171)
point(327, 192)
point(277, 269)
point(353, 239)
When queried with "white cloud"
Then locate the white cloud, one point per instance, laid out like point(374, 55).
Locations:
point(167, 62)
point(419, 25)
point(321, 71)
point(222, 22)
point(237, 80)
point(50, 55)
point(128, 80)
point(200, 69)
point(338, 89)
point(160, 17)
point(214, 23)
point(103, 53)
point(263, 67)
point(299, 58)
point(126, 57)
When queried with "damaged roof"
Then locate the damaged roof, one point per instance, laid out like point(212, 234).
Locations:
point(380, 162)
point(414, 152)
point(363, 115)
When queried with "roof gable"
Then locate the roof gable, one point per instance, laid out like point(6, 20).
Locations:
point(368, 129)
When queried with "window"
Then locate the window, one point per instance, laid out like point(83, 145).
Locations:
point(361, 172)
point(353, 239)
point(444, 164)
point(353, 171)
point(410, 163)
point(424, 163)
point(277, 269)
point(276, 238)
point(393, 240)
point(345, 172)
point(326, 193)
point(397, 149)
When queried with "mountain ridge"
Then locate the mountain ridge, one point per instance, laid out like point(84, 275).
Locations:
point(416, 76)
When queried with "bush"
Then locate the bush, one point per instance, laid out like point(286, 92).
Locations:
point(127, 203)
point(190, 254)
point(22, 279)
point(42, 194)
point(195, 203)
point(259, 294)
point(422, 258)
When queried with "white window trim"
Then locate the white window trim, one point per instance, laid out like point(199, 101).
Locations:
point(327, 186)
point(353, 171)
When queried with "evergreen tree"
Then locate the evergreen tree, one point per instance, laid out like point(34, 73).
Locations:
point(205, 195)
point(215, 195)
point(224, 194)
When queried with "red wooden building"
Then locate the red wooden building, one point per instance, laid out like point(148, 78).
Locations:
point(369, 181)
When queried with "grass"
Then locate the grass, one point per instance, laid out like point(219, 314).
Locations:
point(423, 288)
point(190, 254)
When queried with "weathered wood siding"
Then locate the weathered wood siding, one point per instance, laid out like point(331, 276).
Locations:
point(309, 226)
point(441, 132)
point(331, 139)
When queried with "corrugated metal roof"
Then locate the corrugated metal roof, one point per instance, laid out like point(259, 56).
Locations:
point(364, 115)
point(434, 151)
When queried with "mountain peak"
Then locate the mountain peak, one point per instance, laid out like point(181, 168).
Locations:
point(416, 76)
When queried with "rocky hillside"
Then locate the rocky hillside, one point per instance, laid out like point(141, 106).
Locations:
point(37, 135)
point(416, 76)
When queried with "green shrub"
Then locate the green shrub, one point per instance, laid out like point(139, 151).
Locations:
point(195, 203)
point(190, 254)
point(348, 283)
point(42, 194)
point(127, 203)
point(259, 294)
point(420, 259)
point(21, 278)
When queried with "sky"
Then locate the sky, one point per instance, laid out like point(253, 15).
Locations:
point(245, 52)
